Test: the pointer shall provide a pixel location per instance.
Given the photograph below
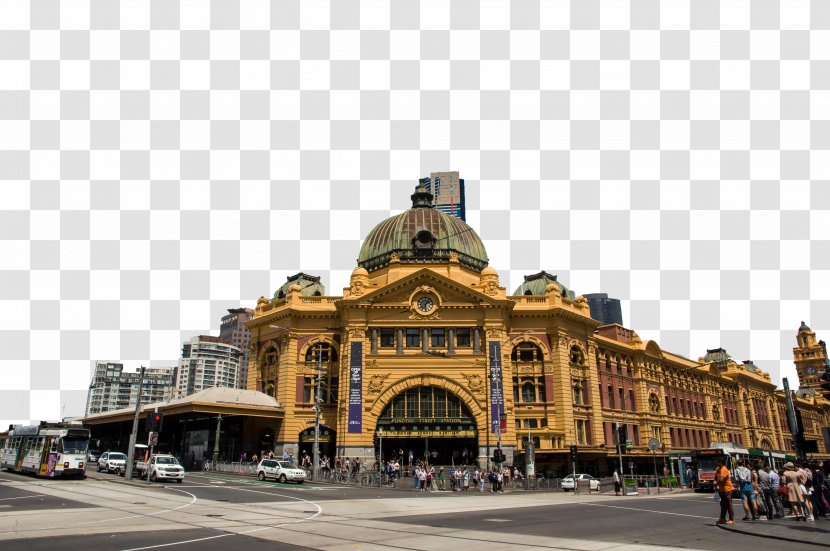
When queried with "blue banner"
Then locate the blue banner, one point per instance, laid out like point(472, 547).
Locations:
point(356, 388)
point(496, 389)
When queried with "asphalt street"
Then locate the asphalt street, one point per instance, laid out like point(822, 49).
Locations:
point(214, 511)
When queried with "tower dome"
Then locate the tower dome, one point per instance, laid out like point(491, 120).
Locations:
point(422, 235)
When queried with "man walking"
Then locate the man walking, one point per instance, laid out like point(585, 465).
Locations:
point(617, 485)
point(723, 480)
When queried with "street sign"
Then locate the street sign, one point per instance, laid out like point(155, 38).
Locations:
point(653, 444)
point(153, 439)
point(628, 443)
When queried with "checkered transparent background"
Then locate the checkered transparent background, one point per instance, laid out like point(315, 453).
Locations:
point(163, 160)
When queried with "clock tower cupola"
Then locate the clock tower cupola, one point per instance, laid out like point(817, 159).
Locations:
point(810, 358)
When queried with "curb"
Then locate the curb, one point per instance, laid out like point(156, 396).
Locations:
point(769, 536)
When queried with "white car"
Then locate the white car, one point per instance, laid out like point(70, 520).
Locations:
point(112, 462)
point(568, 482)
point(284, 471)
point(162, 467)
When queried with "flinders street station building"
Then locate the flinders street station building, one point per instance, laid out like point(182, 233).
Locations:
point(427, 352)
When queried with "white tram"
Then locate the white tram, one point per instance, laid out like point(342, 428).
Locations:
point(47, 449)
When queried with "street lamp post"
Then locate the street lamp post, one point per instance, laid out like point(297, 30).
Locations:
point(318, 400)
point(380, 450)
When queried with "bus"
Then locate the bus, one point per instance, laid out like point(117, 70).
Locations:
point(705, 459)
point(48, 449)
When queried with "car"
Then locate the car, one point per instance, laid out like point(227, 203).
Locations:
point(567, 484)
point(92, 456)
point(162, 467)
point(112, 462)
point(283, 471)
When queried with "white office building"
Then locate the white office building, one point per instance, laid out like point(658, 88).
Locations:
point(112, 388)
point(207, 362)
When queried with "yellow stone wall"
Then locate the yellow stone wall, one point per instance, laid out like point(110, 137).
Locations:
point(464, 298)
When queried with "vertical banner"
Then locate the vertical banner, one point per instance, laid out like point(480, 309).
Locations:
point(356, 387)
point(496, 394)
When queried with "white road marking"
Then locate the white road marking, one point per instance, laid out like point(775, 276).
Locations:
point(252, 530)
point(22, 497)
point(498, 520)
point(646, 510)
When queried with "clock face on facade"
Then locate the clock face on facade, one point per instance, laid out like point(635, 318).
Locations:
point(810, 370)
point(425, 304)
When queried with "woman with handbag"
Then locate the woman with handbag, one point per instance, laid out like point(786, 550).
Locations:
point(794, 495)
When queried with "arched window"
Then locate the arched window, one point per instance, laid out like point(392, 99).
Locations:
point(577, 357)
point(526, 352)
point(654, 403)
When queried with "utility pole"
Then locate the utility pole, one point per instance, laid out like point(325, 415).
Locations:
point(216, 440)
point(619, 449)
point(131, 449)
point(318, 400)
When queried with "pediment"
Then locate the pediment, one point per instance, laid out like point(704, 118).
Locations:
point(450, 292)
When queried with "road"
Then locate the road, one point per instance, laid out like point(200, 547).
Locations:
point(209, 512)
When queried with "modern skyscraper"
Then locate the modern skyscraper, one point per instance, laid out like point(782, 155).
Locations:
point(604, 309)
point(207, 362)
point(233, 330)
point(448, 193)
point(111, 388)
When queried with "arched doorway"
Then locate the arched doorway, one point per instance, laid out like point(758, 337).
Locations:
point(432, 423)
point(327, 441)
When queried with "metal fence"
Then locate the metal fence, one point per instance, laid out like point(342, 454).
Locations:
point(233, 467)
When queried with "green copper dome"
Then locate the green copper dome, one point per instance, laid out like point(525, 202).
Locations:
point(537, 283)
point(422, 235)
point(309, 285)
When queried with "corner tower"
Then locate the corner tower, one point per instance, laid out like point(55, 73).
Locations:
point(810, 358)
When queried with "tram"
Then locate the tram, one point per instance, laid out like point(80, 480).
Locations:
point(48, 449)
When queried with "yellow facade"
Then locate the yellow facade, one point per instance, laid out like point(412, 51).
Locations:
point(564, 379)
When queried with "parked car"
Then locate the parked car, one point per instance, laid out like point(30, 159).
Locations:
point(92, 456)
point(568, 482)
point(112, 462)
point(162, 467)
point(284, 471)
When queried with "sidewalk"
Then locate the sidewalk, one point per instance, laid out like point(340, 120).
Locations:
point(785, 529)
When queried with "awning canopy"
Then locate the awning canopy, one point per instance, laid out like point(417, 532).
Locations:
point(225, 401)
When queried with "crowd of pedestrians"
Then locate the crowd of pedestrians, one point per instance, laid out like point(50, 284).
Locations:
point(798, 491)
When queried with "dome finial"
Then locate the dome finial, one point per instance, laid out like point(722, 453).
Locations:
point(422, 198)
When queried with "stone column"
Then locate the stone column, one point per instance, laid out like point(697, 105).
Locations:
point(451, 340)
point(476, 340)
point(424, 340)
point(374, 341)
point(399, 341)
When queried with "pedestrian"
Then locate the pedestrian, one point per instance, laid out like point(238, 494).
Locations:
point(442, 477)
point(411, 457)
point(422, 478)
point(481, 481)
point(765, 491)
point(743, 476)
point(617, 484)
point(723, 480)
point(254, 459)
point(794, 495)
point(500, 481)
point(776, 490)
point(820, 505)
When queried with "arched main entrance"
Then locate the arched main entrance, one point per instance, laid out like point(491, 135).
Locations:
point(432, 423)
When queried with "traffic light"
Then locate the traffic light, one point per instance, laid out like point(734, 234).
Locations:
point(622, 437)
point(498, 456)
point(573, 452)
point(825, 383)
point(153, 422)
